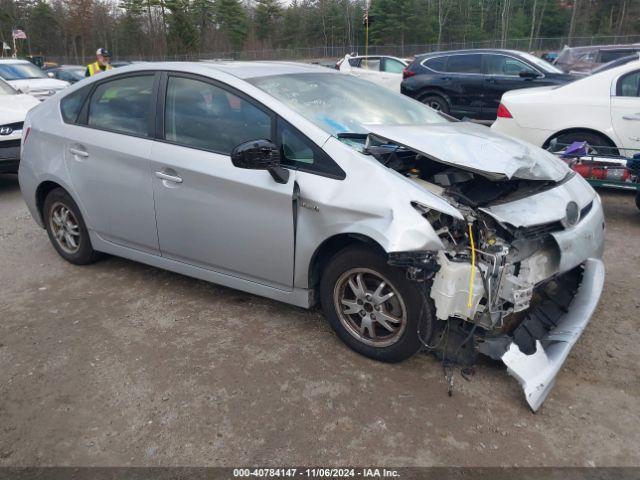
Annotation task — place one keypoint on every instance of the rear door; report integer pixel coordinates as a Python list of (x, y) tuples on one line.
[(107, 148), (501, 74), (210, 213), (464, 84), (625, 110)]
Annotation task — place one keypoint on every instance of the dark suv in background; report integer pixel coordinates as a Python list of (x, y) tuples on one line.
[(470, 83)]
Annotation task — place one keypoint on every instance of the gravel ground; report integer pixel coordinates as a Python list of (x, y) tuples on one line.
[(118, 363)]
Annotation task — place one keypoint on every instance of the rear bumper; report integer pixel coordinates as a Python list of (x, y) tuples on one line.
[(537, 373), (9, 156)]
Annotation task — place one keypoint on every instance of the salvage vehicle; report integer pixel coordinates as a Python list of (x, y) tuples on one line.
[(284, 180), (586, 59), (469, 83), (385, 71), (13, 110), (29, 79), (602, 109)]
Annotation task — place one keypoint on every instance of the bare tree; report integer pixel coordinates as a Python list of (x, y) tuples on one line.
[(572, 25), (444, 8)]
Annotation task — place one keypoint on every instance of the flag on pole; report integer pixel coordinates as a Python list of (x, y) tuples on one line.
[(5, 46), (18, 34)]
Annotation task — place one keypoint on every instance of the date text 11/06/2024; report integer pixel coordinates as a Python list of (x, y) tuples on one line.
[(316, 472)]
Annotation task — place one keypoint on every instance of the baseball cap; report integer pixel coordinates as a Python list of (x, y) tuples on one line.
[(103, 51)]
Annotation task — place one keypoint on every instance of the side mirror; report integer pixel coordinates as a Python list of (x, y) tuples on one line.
[(50, 75), (260, 155), (527, 74)]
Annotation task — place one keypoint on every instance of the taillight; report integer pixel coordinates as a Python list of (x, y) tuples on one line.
[(503, 112), (26, 135), (406, 73)]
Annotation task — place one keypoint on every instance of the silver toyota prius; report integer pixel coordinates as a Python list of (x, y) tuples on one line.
[(301, 184)]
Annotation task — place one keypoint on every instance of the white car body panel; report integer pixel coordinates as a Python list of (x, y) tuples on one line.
[(388, 80), (589, 103)]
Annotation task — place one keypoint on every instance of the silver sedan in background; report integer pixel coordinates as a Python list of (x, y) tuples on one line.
[(306, 186)]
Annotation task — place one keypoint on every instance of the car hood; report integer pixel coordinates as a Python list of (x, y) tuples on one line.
[(38, 84), (476, 148), (13, 108)]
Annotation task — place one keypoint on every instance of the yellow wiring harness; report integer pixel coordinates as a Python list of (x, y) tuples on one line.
[(473, 268)]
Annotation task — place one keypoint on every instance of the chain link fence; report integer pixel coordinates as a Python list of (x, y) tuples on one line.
[(536, 44)]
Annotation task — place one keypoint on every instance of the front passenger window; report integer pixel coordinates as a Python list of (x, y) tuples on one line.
[(123, 105), (629, 85), (300, 153), (201, 115)]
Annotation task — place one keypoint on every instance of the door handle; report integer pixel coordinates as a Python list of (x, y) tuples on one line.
[(78, 152), (169, 178), (635, 117)]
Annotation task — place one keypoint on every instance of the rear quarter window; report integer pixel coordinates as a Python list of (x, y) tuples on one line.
[(436, 64), (71, 105)]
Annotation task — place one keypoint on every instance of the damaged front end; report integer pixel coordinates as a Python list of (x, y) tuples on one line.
[(519, 277)]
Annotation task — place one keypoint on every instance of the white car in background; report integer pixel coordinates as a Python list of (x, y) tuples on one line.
[(28, 78), (13, 110), (602, 109), (384, 70)]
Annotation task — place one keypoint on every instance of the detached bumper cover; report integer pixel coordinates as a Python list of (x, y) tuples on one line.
[(536, 373)]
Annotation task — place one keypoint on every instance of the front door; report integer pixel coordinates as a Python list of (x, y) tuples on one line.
[(107, 156), (210, 213), (625, 111)]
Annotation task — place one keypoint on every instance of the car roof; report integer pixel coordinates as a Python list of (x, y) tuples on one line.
[(239, 69), (633, 46), (474, 50), (13, 60)]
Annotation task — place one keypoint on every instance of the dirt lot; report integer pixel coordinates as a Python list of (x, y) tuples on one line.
[(123, 364)]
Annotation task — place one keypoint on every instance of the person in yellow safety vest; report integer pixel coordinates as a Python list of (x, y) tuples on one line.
[(103, 57)]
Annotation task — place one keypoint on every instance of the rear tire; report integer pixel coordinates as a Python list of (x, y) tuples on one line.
[(382, 322), (436, 102), (66, 228), (594, 140)]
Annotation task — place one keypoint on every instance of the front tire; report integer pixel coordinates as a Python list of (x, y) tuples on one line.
[(66, 228), (373, 307)]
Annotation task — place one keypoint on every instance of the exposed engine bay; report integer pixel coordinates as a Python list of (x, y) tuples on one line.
[(493, 285)]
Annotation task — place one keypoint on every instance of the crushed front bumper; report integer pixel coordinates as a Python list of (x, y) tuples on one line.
[(537, 373)]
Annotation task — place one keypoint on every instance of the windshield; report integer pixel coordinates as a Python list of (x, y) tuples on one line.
[(540, 63), (6, 89), (20, 71), (340, 103)]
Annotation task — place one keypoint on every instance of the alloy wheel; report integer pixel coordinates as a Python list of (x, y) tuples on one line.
[(370, 307), (65, 228)]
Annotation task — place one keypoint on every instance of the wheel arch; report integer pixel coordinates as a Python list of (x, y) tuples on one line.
[(579, 129), (331, 246), (430, 90), (43, 189)]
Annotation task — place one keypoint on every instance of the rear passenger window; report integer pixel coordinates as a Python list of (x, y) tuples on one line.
[(123, 105), (629, 85), (464, 64), (201, 115), (436, 64), (370, 64), (71, 104)]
